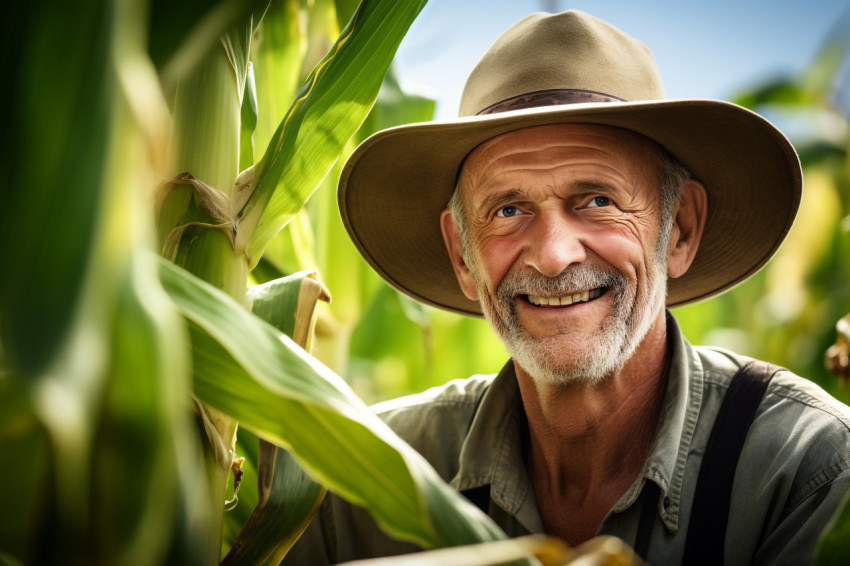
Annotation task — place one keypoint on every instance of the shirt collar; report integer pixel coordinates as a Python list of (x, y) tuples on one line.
[(492, 452), (666, 462)]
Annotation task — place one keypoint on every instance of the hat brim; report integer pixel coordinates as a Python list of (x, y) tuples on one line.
[(395, 185)]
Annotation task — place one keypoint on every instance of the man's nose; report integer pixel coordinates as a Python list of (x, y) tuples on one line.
[(554, 244)]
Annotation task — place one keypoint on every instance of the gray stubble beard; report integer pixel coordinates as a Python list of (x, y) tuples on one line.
[(548, 360)]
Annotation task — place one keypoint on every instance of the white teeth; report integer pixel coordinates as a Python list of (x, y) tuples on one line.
[(582, 297)]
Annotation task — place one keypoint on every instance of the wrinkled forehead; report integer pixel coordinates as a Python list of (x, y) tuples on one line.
[(533, 144)]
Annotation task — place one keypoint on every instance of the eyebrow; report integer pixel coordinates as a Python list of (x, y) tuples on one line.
[(592, 187)]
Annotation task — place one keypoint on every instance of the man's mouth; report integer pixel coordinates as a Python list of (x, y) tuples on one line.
[(565, 300)]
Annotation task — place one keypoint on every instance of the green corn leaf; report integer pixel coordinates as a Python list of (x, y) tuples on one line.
[(246, 368), (287, 499), (343, 269), (182, 33), (328, 110), (289, 304), (51, 165), (144, 450), (249, 120), (287, 496), (97, 391), (276, 55)]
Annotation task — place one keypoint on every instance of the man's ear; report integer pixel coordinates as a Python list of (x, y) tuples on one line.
[(688, 223), (451, 236)]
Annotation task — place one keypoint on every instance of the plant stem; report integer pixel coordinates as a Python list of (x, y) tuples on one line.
[(205, 143), (206, 113)]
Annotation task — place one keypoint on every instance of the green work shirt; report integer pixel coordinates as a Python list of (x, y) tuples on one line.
[(793, 472)]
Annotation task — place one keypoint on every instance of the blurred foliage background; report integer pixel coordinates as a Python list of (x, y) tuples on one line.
[(788, 311), (387, 345)]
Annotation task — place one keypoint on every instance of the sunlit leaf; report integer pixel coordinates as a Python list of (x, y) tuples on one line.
[(287, 497), (327, 111), (249, 121), (182, 33), (276, 56), (245, 367), (548, 551)]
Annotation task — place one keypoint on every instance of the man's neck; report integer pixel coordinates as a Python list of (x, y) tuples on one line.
[(589, 443)]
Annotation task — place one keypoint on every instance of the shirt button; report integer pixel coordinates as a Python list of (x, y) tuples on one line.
[(666, 502)]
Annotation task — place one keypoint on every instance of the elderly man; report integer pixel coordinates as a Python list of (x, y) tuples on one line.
[(569, 204)]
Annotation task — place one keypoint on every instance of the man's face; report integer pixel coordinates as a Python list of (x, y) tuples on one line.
[(562, 229)]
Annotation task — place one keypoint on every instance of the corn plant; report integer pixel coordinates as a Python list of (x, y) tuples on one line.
[(113, 360)]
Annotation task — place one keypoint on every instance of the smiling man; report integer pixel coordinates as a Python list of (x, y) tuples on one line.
[(570, 204), (564, 248)]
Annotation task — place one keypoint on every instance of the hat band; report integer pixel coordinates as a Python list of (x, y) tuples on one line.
[(549, 97)]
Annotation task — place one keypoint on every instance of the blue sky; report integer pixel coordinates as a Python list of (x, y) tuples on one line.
[(704, 49)]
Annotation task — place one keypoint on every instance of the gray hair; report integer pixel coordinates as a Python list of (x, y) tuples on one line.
[(672, 177)]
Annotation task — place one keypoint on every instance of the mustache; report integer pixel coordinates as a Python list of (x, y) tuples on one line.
[(575, 278)]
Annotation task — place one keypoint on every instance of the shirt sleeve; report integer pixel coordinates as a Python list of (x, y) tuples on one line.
[(340, 532), (795, 539)]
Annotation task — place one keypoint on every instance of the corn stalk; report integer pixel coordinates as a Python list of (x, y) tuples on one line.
[(104, 345), (209, 214)]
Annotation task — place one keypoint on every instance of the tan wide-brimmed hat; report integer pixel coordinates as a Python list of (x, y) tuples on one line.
[(570, 68)]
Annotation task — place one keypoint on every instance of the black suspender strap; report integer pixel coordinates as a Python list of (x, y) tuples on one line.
[(479, 496), (647, 517), (710, 513)]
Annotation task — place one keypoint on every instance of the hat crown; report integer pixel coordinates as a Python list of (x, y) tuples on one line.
[(567, 51)]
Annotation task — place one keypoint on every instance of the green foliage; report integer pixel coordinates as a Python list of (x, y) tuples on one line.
[(92, 370), (245, 368), (787, 312), (100, 367)]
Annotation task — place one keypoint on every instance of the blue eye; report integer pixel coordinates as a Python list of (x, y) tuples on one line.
[(508, 211), (598, 202)]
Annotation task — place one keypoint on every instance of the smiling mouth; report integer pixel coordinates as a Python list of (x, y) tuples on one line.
[(566, 300)]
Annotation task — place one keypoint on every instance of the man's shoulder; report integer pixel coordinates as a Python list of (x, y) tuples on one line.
[(787, 390), (436, 422), (463, 393), (794, 468), (800, 436)]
